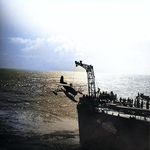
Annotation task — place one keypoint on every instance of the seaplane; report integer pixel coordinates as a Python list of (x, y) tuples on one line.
[(68, 89)]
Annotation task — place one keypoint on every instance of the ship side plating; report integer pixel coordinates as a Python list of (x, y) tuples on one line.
[(106, 128)]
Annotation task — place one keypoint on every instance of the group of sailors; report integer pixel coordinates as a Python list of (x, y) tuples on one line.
[(138, 102), (141, 101)]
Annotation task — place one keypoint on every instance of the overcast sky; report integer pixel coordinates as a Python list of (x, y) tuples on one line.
[(111, 35)]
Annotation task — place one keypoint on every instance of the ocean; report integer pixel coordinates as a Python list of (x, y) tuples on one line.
[(124, 85), (29, 108)]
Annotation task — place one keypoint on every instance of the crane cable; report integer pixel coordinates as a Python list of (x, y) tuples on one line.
[(96, 84), (73, 76)]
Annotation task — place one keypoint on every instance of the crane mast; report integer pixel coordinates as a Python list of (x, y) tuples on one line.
[(90, 77)]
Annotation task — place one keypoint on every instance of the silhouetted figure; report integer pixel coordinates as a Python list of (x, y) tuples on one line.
[(131, 103), (124, 102), (62, 80), (120, 100), (147, 105), (98, 92), (142, 104), (138, 103)]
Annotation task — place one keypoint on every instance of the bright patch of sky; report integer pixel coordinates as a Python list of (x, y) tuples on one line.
[(113, 36)]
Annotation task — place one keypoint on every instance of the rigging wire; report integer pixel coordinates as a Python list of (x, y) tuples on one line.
[(96, 84), (73, 75)]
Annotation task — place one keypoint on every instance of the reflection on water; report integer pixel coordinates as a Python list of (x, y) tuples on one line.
[(124, 85)]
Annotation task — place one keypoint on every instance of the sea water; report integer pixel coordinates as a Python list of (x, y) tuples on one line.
[(21, 105), (124, 85)]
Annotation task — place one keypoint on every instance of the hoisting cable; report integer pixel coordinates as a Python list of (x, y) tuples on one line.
[(73, 75), (97, 87)]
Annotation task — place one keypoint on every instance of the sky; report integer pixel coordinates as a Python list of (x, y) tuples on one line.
[(47, 35)]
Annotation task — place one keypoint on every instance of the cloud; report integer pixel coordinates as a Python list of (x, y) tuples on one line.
[(59, 39), (18, 40), (34, 44), (29, 56), (64, 43), (29, 44)]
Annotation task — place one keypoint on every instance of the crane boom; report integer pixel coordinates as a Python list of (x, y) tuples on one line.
[(90, 77)]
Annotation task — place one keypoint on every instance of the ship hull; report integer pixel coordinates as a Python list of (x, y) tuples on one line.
[(100, 130)]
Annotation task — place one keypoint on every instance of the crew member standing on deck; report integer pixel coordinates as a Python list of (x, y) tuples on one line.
[(147, 104), (142, 104)]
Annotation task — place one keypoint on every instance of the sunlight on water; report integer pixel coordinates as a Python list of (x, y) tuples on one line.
[(124, 85)]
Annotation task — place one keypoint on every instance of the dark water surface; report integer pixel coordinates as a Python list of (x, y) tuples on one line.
[(31, 116)]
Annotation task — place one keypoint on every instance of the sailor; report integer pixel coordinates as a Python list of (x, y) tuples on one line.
[(131, 102), (124, 102), (142, 104), (120, 100), (138, 103), (147, 104), (128, 101), (135, 103), (98, 92)]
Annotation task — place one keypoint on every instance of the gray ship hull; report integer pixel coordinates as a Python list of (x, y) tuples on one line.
[(99, 130)]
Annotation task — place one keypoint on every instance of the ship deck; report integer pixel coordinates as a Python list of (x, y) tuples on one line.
[(125, 112)]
